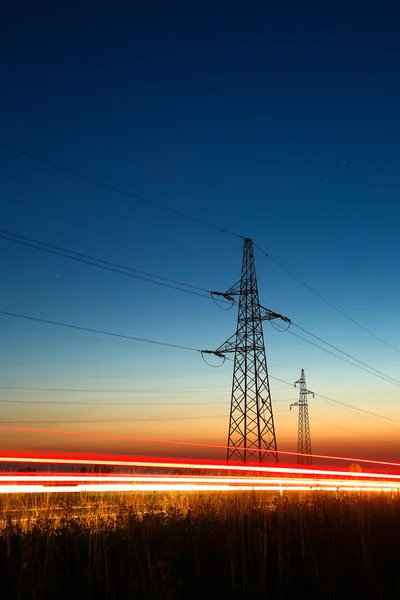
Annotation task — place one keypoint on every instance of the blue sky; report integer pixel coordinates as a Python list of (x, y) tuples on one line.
[(277, 121)]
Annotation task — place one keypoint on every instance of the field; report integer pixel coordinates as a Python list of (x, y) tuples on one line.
[(200, 546)]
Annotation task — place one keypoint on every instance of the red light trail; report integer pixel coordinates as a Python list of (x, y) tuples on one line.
[(193, 444), (168, 464)]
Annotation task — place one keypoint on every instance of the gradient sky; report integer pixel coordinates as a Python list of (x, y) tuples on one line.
[(276, 120)]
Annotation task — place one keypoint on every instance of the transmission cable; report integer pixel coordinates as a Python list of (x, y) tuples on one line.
[(325, 300), (96, 403), (108, 266), (371, 437), (362, 410), (97, 391), (371, 371), (113, 420), (194, 219), (82, 258), (384, 377), (118, 190), (101, 332), (346, 354), (98, 331), (344, 406)]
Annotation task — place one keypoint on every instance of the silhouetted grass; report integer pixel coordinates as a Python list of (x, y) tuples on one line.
[(200, 546)]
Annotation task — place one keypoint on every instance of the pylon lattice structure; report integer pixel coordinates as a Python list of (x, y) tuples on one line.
[(251, 434), (304, 436)]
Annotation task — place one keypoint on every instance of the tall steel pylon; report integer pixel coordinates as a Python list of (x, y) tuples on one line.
[(304, 436), (251, 435)]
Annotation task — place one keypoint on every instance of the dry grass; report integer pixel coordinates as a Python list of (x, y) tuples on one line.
[(200, 546)]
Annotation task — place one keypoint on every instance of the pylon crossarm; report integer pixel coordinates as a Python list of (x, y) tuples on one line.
[(228, 346), (215, 352), (234, 290), (223, 295), (268, 315), (228, 295), (225, 348)]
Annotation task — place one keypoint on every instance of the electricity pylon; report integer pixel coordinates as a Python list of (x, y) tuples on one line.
[(251, 434), (304, 436)]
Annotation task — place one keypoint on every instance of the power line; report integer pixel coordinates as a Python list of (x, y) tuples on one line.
[(114, 421), (371, 437), (325, 300), (110, 404), (194, 219), (118, 190), (355, 410), (376, 372), (384, 377), (99, 331), (97, 391), (361, 410), (372, 371), (108, 266), (82, 258), (62, 421), (388, 377), (54, 250)]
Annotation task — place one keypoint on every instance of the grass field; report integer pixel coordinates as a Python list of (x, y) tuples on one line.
[(200, 546)]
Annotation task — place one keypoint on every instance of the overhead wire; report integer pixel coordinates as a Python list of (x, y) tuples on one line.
[(115, 267), (107, 391), (361, 410), (361, 364), (371, 437), (102, 332), (108, 266), (98, 331), (135, 420), (355, 410), (378, 373), (110, 404), (38, 422), (168, 209), (338, 310), (346, 353), (383, 377), (361, 415), (118, 190), (193, 219)]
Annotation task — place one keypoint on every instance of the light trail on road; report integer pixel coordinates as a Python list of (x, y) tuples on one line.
[(23, 484), (248, 477), (215, 466)]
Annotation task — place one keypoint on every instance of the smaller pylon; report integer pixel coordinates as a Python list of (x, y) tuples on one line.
[(304, 437)]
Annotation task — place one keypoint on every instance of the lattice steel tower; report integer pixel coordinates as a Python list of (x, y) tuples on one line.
[(251, 434), (304, 436)]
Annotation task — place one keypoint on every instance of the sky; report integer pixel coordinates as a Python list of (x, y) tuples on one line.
[(278, 121)]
